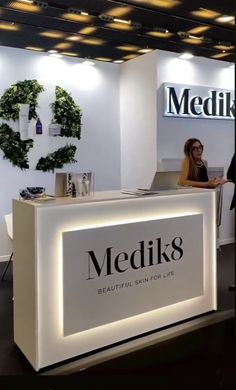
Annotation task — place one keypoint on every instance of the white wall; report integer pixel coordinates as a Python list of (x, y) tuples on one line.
[(138, 121), (124, 135), (96, 91), (217, 136)]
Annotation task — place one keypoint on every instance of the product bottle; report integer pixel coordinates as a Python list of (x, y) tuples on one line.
[(39, 127)]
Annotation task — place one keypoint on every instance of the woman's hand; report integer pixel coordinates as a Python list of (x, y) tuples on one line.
[(217, 181)]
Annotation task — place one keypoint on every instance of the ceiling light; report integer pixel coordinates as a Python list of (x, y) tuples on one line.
[(192, 41), (128, 48), (52, 34), (130, 56), (93, 41), (25, 6), (106, 18), (70, 54), (183, 34), (119, 26), (52, 51), (119, 12), (63, 45), (117, 20), (161, 30), (205, 13), (76, 11), (118, 61), (224, 46), (159, 3), (157, 34), (34, 48), (225, 19), (186, 56), (103, 59), (78, 17), (143, 51), (88, 62), (194, 37), (8, 27), (87, 30), (220, 55), (41, 4), (74, 38), (198, 30)]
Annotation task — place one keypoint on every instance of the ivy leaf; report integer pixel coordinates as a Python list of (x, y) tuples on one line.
[(67, 113), (14, 149), (57, 159), (22, 92)]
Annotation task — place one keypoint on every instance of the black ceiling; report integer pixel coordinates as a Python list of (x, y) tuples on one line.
[(173, 25)]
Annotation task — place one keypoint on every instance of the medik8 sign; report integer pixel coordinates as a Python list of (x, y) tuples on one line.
[(116, 272), (191, 101)]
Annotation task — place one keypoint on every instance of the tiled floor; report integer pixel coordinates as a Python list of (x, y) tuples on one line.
[(207, 354)]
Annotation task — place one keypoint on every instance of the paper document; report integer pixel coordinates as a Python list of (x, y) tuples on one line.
[(139, 192)]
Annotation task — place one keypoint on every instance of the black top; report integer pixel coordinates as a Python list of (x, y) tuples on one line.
[(201, 171), (231, 176)]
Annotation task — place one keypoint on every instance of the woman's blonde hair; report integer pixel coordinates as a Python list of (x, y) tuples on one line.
[(192, 172)]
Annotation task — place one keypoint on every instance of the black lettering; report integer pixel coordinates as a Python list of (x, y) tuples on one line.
[(183, 100), (221, 104), (196, 101), (161, 253), (177, 253), (212, 100), (230, 109), (106, 258), (138, 251), (118, 260)]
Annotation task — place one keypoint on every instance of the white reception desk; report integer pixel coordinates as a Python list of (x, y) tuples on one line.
[(94, 271)]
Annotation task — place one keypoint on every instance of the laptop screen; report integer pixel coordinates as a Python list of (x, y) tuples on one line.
[(167, 180)]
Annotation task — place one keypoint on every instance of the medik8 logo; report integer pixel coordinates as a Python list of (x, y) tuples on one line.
[(148, 254), (198, 102)]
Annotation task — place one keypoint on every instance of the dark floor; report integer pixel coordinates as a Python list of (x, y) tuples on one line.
[(203, 358)]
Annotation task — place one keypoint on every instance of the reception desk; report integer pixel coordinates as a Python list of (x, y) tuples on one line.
[(93, 271)]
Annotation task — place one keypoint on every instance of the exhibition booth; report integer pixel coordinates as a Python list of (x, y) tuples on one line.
[(99, 270), (94, 269)]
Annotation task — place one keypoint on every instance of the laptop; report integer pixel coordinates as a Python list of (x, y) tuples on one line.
[(166, 180)]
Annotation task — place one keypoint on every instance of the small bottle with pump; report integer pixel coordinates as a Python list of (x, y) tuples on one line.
[(39, 127)]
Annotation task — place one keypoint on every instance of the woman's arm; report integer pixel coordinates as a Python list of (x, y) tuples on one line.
[(183, 181)]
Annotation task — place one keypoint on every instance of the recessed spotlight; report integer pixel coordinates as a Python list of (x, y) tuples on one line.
[(41, 4), (143, 51), (225, 19), (118, 61), (186, 56), (52, 51)]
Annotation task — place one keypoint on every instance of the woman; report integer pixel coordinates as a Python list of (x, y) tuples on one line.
[(194, 168)]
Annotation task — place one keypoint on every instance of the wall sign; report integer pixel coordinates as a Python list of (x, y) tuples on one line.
[(191, 101), (115, 272)]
